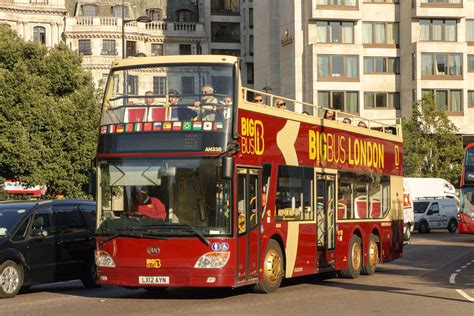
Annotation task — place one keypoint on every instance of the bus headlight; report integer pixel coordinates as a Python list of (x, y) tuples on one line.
[(213, 260), (103, 259)]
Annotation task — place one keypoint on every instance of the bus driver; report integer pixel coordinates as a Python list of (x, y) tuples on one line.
[(146, 205)]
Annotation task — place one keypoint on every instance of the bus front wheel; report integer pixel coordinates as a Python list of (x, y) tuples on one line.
[(354, 264), (272, 269)]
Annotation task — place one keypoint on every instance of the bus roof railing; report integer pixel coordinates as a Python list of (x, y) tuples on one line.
[(382, 125)]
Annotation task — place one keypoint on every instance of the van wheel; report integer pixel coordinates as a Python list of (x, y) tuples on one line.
[(90, 278), (423, 227), (373, 258), (354, 266), (272, 269), (452, 226), (407, 234), (11, 279)]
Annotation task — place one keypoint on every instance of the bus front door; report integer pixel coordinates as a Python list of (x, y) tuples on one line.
[(248, 232), (326, 221)]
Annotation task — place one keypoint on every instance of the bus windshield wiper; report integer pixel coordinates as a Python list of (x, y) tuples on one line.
[(129, 234), (183, 226)]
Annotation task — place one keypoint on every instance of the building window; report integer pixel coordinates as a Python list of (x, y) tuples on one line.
[(335, 32), (108, 47), (132, 84), (225, 7), (441, 64), (470, 99), (185, 15), (131, 48), (470, 30), (347, 101), (381, 65), (251, 45), (380, 33), (249, 73), (159, 85), (85, 47), (185, 49), (250, 18), (448, 100), (156, 49), (438, 30), (39, 35), (187, 85), (89, 10), (230, 52), (225, 32), (470, 63), (441, 2), (338, 67), (154, 14), (119, 10), (380, 100), (345, 3), (381, 1)]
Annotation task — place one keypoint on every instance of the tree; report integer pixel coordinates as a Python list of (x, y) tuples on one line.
[(431, 145), (49, 113)]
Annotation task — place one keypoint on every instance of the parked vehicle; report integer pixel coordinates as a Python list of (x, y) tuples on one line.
[(435, 213), (408, 216), (46, 241)]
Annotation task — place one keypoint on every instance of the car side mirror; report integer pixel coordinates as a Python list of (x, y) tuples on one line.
[(39, 233)]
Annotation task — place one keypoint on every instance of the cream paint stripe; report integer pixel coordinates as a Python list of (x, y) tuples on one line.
[(291, 248), (464, 294), (286, 139)]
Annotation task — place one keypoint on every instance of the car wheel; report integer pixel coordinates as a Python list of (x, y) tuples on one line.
[(373, 258), (90, 278), (354, 265), (452, 226), (407, 234), (11, 279), (272, 269), (423, 227)]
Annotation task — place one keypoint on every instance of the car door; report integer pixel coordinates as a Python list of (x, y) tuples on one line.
[(74, 238), (43, 247)]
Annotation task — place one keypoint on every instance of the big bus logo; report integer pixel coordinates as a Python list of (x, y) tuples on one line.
[(252, 141)]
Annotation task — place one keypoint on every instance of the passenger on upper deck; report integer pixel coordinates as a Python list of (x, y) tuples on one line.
[(280, 104), (208, 103), (362, 124), (149, 98), (179, 112), (258, 98), (347, 120), (329, 114)]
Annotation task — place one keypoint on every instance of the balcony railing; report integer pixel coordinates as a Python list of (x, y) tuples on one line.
[(49, 3)]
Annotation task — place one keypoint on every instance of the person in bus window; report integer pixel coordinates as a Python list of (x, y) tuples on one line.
[(208, 105), (329, 115), (347, 120), (280, 104), (149, 98), (362, 124), (179, 112), (258, 98), (146, 205)]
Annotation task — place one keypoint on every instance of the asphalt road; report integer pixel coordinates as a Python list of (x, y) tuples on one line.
[(434, 277)]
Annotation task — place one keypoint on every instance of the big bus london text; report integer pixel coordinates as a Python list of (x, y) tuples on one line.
[(199, 187)]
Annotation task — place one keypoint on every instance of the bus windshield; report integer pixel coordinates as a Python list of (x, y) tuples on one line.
[(469, 159), (164, 197), (169, 92), (467, 201)]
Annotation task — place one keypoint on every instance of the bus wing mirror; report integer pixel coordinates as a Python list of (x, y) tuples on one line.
[(227, 167), (92, 183)]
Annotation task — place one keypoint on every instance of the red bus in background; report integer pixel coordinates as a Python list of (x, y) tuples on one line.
[(15, 187), (466, 211), (252, 193)]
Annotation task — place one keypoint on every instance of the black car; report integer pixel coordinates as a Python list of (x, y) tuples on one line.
[(46, 241)]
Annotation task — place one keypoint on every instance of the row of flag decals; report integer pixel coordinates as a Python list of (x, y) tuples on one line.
[(161, 126)]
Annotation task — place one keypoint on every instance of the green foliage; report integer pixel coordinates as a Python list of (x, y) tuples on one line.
[(49, 113), (431, 145)]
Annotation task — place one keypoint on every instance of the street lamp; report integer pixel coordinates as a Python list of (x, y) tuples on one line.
[(141, 19)]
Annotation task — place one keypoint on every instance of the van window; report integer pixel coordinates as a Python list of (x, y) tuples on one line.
[(434, 208), (43, 221), (420, 207), (69, 219), (20, 233)]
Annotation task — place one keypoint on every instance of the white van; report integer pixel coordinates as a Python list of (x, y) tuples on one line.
[(435, 213)]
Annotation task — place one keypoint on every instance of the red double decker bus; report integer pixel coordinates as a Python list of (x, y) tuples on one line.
[(466, 211), (199, 187)]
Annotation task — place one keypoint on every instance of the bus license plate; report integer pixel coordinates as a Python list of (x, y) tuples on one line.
[(154, 280)]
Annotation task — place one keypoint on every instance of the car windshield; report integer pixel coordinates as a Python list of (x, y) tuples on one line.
[(164, 197), (9, 217), (420, 207), (467, 201)]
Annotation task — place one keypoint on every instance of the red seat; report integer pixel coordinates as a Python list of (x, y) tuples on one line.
[(133, 115), (158, 114), (375, 209)]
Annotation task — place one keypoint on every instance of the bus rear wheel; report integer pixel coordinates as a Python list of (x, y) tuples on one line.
[(272, 269), (354, 266), (373, 259)]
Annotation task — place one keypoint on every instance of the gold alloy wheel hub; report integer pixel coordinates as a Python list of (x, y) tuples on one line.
[(373, 253), (356, 251), (9, 280), (273, 266)]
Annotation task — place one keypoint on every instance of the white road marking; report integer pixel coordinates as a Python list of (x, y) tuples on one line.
[(458, 270), (452, 278), (467, 297), (468, 264), (463, 267)]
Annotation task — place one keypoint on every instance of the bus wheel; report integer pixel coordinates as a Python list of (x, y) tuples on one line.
[(272, 269), (354, 266), (373, 259), (452, 226)]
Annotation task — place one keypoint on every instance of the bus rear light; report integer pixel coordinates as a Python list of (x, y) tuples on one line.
[(103, 259), (213, 260)]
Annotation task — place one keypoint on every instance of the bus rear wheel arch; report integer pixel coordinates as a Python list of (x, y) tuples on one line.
[(273, 269), (354, 259)]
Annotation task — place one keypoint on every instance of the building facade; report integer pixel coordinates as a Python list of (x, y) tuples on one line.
[(369, 57)]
